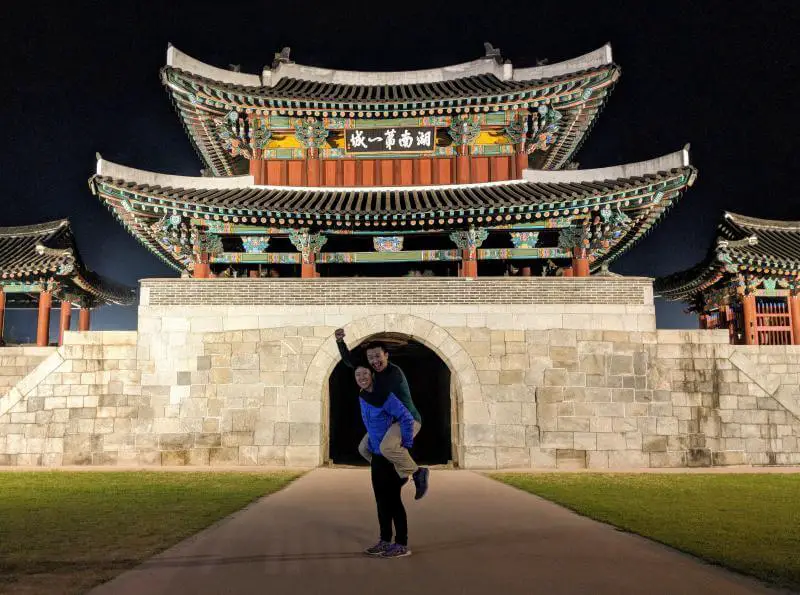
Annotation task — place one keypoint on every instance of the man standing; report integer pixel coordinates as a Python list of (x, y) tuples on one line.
[(389, 379)]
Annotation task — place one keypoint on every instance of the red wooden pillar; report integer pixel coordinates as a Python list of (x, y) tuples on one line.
[(2, 313), (257, 171), (568, 272), (580, 264), (202, 268), (525, 271), (64, 320), (520, 161), (84, 319), (253, 274), (794, 314), (749, 312), (308, 270), (312, 168), (462, 166), (469, 265), (43, 328)]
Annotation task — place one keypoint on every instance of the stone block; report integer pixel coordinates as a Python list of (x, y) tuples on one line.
[(475, 412), (513, 458), (532, 434), (550, 394), (223, 456), (555, 377), (506, 413), (621, 364), (623, 459), (479, 435), (570, 459), (611, 441), (305, 411), (585, 441), (477, 457), (654, 444), (573, 424), (563, 440), (304, 434), (511, 377), (564, 357), (510, 435), (302, 456)]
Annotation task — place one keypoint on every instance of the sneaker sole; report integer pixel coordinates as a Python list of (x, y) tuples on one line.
[(405, 555)]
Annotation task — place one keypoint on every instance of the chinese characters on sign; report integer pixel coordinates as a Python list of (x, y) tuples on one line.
[(390, 140)]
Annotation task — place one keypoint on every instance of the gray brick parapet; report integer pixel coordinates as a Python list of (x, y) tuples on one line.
[(402, 290)]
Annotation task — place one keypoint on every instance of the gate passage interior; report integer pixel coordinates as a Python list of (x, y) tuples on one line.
[(429, 380)]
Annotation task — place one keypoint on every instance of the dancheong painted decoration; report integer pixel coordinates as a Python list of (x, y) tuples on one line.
[(454, 170), (748, 283)]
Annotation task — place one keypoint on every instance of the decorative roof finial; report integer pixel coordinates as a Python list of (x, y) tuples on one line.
[(492, 52), (282, 57), (235, 67)]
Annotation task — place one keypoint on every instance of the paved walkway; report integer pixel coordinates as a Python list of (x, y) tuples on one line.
[(469, 535)]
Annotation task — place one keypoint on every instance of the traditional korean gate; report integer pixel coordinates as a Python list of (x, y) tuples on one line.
[(773, 322)]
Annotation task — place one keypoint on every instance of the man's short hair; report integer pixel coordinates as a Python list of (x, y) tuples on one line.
[(375, 345)]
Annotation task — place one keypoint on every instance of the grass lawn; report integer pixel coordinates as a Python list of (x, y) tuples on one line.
[(64, 532), (747, 522)]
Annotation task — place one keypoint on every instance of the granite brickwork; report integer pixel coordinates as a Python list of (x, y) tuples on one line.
[(535, 385)]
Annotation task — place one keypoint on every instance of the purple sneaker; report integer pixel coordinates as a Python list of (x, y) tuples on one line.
[(396, 551), (378, 549)]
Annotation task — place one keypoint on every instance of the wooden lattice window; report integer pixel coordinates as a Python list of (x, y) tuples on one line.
[(773, 322)]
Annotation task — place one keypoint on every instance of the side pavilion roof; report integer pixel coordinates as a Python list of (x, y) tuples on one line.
[(759, 247), (577, 88), (639, 193), (35, 254)]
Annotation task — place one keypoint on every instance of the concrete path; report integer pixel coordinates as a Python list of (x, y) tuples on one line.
[(469, 535)]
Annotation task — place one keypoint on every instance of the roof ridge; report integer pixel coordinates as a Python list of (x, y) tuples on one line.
[(34, 229), (759, 223), (492, 63)]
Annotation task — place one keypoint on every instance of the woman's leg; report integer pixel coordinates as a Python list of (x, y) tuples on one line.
[(398, 511), (383, 498)]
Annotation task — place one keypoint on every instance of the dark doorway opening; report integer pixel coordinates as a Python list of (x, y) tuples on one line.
[(429, 380)]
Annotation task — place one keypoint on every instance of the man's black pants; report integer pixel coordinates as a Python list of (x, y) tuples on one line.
[(387, 486)]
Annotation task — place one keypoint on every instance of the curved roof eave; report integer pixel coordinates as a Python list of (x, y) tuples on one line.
[(486, 65), (675, 160), (671, 161)]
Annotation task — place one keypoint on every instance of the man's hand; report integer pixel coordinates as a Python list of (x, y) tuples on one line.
[(339, 334)]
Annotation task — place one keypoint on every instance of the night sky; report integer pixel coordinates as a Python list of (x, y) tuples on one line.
[(80, 78)]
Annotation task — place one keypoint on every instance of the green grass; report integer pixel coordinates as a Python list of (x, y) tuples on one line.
[(64, 532), (746, 522)]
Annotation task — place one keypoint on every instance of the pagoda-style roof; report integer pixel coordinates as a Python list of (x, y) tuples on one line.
[(634, 195), (577, 88), (33, 256), (758, 249)]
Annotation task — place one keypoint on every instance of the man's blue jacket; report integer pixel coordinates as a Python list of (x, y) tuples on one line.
[(379, 412)]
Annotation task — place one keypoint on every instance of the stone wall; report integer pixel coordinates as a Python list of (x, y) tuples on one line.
[(534, 385), (18, 361)]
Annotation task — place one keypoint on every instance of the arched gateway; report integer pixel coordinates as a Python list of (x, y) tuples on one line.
[(431, 387), (454, 373)]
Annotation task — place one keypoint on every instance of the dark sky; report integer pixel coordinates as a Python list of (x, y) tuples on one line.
[(80, 78)]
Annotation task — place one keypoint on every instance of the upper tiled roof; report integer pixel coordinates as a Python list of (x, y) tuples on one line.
[(757, 246), (577, 88), (48, 251)]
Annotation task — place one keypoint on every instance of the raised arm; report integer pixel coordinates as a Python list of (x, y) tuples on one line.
[(347, 357)]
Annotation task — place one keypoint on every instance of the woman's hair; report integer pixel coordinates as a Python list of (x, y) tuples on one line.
[(365, 366)]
